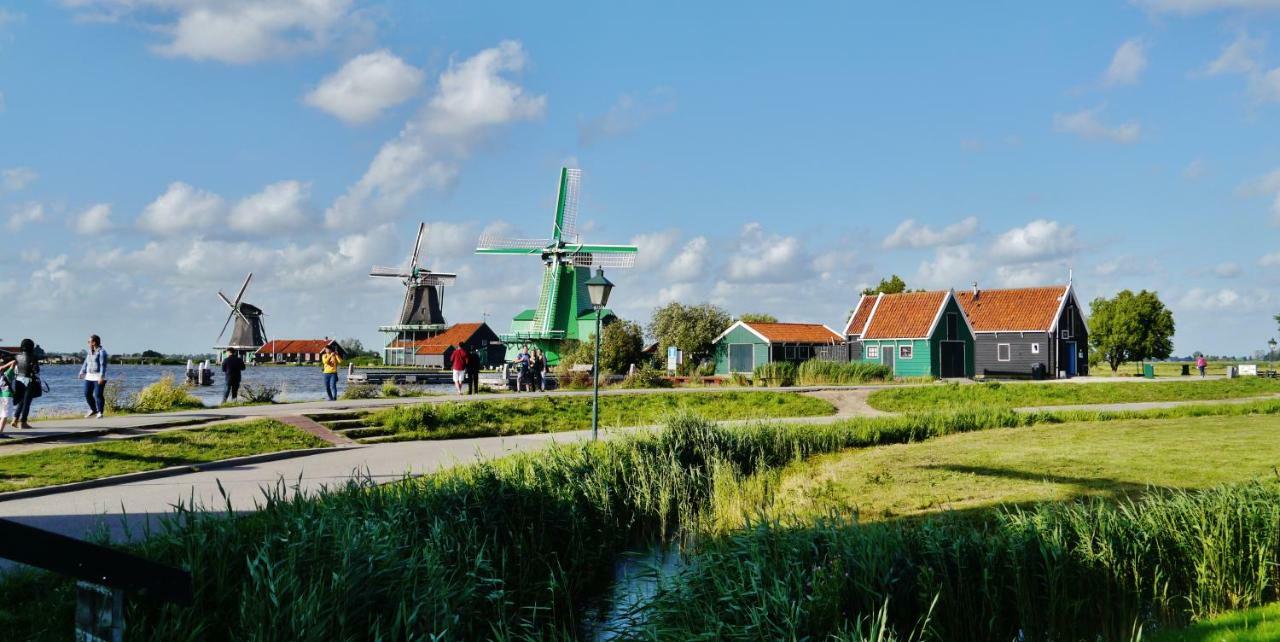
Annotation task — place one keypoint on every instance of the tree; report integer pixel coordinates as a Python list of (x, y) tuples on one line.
[(152, 354), (757, 317), (1130, 327), (691, 329), (621, 344), (352, 346), (892, 285)]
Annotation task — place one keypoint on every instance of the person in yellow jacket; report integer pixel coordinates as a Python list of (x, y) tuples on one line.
[(329, 362)]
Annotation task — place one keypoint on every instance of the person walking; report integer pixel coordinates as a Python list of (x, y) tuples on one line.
[(7, 369), (232, 366), (473, 373), (458, 360), (27, 379), (329, 362), (523, 363), (94, 373), (1201, 364), (539, 367)]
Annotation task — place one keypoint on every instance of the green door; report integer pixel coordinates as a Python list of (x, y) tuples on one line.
[(742, 357)]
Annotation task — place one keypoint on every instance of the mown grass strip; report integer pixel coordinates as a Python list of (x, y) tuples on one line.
[(1023, 395), (1260, 624), (53, 466)]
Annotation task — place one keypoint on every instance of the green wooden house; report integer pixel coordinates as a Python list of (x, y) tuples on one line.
[(745, 345), (916, 334)]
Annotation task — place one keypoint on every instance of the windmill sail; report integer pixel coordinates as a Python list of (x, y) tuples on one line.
[(424, 289), (248, 332)]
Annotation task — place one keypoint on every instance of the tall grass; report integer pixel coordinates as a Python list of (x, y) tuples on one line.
[(164, 395), (952, 395), (816, 372), (775, 374)]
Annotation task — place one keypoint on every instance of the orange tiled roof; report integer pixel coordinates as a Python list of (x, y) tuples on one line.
[(905, 316), (795, 332), (858, 320), (459, 332), (1016, 309), (294, 346)]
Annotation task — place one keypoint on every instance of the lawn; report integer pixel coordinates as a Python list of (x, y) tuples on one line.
[(193, 446), (1045, 463), (449, 420), (1021, 395), (1174, 368), (1260, 624)]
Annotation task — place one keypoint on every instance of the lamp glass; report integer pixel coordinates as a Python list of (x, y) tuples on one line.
[(598, 289)]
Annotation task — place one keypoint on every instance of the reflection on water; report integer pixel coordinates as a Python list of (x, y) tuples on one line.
[(637, 575)]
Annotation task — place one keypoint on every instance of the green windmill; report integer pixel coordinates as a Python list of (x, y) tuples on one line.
[(564, 311)]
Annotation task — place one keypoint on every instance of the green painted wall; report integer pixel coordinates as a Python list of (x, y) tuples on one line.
[(940, 334), (920, 363), (740, 335)]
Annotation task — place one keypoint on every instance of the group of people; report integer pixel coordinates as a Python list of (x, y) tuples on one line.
[(530, 368), (466, 368), (233, 366), (20, 385)]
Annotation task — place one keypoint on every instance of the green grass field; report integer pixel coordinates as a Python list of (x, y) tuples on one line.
[(1261, 624), (1174, 368), (1023, 395), (194, 446), (451, 420)]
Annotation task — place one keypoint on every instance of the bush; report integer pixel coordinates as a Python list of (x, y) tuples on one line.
[(740, 379), (259, 393), (360, 391), (573, 379), (390, 389), (775, 373), (646, 377), (163, 396), (114, 397), (817, 372)]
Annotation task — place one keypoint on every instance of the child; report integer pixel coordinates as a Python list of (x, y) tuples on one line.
[(6, 393)]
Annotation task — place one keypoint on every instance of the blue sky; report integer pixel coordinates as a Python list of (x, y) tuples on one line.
[(767, 159)]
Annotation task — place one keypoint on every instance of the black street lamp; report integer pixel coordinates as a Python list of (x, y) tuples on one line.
[(598, 289), (1271, 344)]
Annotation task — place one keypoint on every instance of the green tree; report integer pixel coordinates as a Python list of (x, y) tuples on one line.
[(352, 346), (892, 285), (690, 328), (1130, 328), (757, 317)]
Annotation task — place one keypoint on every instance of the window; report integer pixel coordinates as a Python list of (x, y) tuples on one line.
[(1066, 333), (904, 352), (1035, 348), (953, 326), (873, 352), (791, 353), (1003, 352)]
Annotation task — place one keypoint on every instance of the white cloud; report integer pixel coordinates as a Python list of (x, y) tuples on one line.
[(1201, 299), (180, 209), (1127, 64), (1269, 260), (910, 234), (655, 248), (1227, 270), (448, 240), (366, 86), (233, 31), (16, 178), (1021, 276), (1126, 265), (1039, 240), (472, 99), (1194, 170), (95, 220), (765, 258), (279, 207), (949, 265), (625, 115), (1239, 57), (2, 103), (1267, 185), (690, 264), (1265, 87), (25, 215), (1085, 124), (1192, 7)]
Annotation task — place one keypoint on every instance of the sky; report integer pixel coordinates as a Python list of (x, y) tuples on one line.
[(765, 158)]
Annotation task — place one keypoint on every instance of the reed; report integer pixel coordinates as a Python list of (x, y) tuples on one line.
[(817, 373)]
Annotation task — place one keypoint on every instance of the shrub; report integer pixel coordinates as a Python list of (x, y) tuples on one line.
[(390, 389), (360, 391), (115, 398), (740, 379), (818, 372), (775, 373), (260, 393), (646, 377), (163, 396), (573, 379)]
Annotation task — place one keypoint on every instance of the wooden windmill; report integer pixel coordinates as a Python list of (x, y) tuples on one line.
[(564, 311), (422, 313), (249, 332)]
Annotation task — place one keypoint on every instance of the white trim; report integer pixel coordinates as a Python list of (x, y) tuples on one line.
[(743, 324), (870, 317), (1008, 351), (853, 314), (1062, 305), (1035, 348), (866, 349), (950, 296)]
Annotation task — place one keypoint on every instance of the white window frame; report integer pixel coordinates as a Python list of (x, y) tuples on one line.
[(1035, 348), (906, 352), (1008, 352), (1066, 333), (873, 352)]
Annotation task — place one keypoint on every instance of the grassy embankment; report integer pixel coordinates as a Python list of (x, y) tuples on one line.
[(518, 549), (1174, 368), (1023, 395), (1259, 624), (452, 420), (178, 447)]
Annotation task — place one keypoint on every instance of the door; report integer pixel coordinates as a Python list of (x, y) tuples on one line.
[(953, 360), (886, 357), (742, 357), (1071, 358)]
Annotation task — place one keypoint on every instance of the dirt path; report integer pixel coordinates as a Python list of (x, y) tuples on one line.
[(849, 403)]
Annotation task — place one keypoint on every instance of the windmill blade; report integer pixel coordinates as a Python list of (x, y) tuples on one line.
[(437, 279), (498, 245), (381, 270), (226, 300), (605, 260), (603, 249), (568, 218), (417, 247), (228, 322), (244, 287)]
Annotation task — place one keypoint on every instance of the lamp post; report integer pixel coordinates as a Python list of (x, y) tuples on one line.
[(598, 288), (1271, 344)]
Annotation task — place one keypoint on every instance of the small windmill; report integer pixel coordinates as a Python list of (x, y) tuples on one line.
[(249, 333), (422, 314), (564, 310)]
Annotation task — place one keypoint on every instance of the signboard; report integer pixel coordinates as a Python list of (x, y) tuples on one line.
[(1250, 369), (673, 358)]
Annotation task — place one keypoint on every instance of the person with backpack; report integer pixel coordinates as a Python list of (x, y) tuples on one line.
[(232, 366), (329, 362), (94, 373), (28, 386)]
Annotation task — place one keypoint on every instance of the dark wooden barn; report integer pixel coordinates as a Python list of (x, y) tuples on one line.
[(1019, 330)]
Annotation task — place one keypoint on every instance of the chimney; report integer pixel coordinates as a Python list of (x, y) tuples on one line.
[(976, 292)]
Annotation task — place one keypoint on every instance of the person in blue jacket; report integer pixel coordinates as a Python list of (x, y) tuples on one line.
[(94, 373)]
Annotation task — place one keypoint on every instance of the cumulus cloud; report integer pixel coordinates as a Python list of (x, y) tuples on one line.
[(949, 264), (1039, 240), (26, 215), (1127, 265), (690, 263), (472, 98), (910, 234), (94, 220), (1127, 64), (233, 31), (1267, 185), (1193, 7), (182, 208), (760, 257), (16, 178), (1086, 124), (1238, 57), (655, 248), (279, 207), (625, 115), (366, 86), (1202, 299)]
